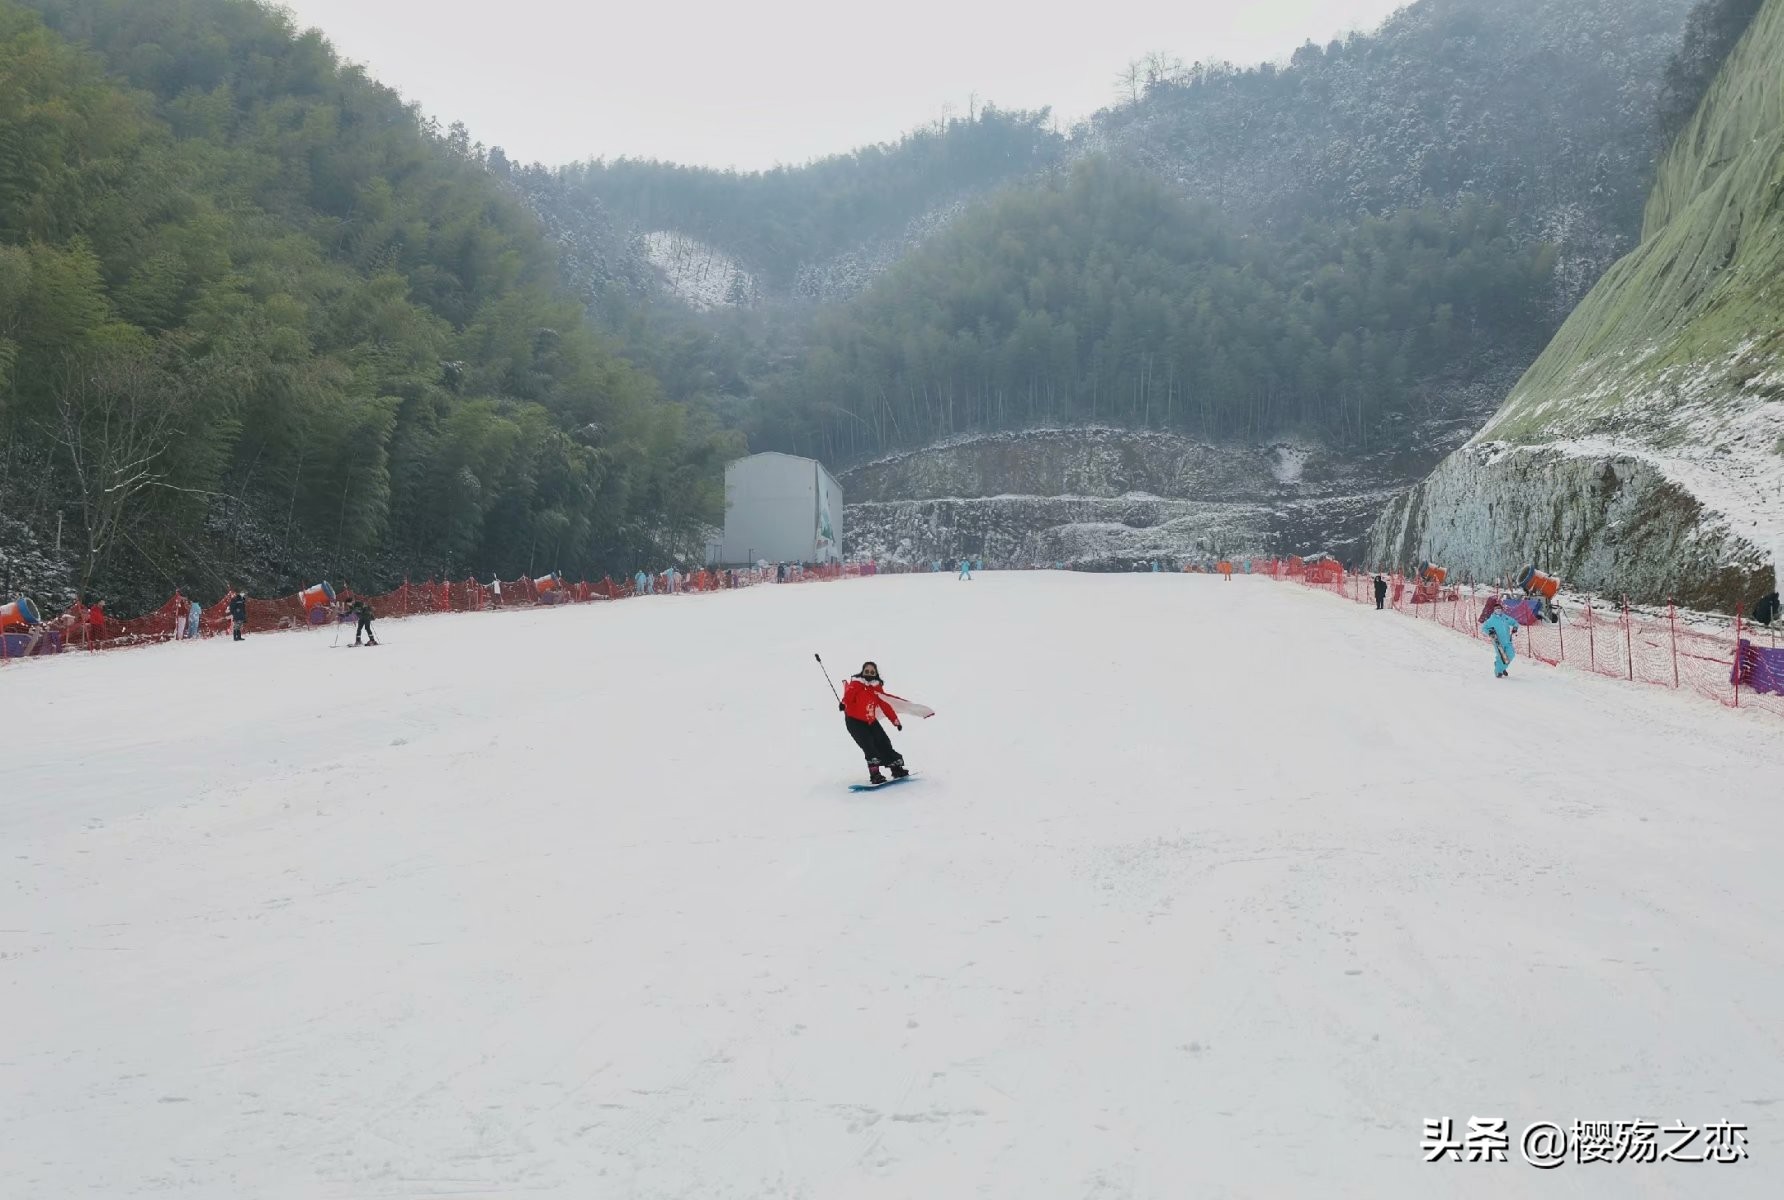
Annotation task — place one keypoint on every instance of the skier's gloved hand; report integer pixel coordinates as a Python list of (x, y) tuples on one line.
[(840, 707), (898, 725)]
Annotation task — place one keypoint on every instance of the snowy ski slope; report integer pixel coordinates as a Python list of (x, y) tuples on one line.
[(1210, 890)]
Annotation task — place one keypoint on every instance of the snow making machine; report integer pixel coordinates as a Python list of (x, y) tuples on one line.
[(318, 600), (1539, 590), (1430, 587)]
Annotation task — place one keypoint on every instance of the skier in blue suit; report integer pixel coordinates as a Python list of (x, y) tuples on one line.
[(966, 569), (1499, 629)]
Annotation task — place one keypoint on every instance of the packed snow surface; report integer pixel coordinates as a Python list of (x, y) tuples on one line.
[(1207, 889)]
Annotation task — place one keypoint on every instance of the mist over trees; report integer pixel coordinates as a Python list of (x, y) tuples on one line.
[(1371, 238)]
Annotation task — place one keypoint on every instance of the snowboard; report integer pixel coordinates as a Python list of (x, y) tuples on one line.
[(874, 787)]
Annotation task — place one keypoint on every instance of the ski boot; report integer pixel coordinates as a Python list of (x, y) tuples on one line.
[(873, 774), (898, 770)]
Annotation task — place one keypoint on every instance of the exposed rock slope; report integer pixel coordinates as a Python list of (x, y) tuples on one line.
[(1644, 451)]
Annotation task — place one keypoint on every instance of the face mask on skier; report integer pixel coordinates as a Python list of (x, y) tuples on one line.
[(870, 672)]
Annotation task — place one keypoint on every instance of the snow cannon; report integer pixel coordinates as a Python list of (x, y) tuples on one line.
[(546, 586), (1430, 572), (316, 601), (313, 598), (20, 612), (1537, 583)]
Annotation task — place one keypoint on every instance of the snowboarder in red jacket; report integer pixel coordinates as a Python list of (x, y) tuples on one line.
[(864, 697)]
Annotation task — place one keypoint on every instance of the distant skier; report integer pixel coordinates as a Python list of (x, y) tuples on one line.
[(1381, 592), (966, 569), (1498, 626), (238, 614), (193, 616), (863, 699), (495, 590), (362, 615)]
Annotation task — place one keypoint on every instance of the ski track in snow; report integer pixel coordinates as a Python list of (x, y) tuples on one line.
[(1209, 889)]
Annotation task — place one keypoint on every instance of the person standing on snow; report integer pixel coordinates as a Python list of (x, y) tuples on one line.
[(1765, 609), (238, 614), (193, 616), (1499, 628), (863, 699), (495, 590), (362, 615), (1381, 591), (966, 569)]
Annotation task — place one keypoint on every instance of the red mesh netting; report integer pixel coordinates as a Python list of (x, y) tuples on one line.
[(77, 630), (1658, 649)]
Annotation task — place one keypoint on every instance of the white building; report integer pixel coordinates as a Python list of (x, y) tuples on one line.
[(779, 508)]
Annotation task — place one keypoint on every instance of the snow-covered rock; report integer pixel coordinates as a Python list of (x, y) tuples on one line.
[(1099, 496), (701, 276), (1643, 453)]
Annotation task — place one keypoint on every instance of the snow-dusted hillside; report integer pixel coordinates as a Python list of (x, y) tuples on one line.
[(700, 276), (1644, 452), (1546, 108), (573, 904)]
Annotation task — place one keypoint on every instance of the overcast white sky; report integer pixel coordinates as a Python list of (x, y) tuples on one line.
[(748, 84)]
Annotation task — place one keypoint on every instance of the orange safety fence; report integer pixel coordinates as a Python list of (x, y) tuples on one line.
[(79, 630), (1684, 652)]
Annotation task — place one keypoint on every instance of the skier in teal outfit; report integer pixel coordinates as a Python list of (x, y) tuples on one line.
[(1499, 629)]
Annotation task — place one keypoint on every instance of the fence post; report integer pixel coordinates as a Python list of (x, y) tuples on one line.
[(1737, 655), (1672, 618), (1591, 639), (1628, 639)]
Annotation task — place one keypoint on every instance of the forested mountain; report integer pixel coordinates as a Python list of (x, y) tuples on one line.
[(259, 321), (1641, 454), (1105, 298), (788, 228), (1545, 109), (1363, 247)]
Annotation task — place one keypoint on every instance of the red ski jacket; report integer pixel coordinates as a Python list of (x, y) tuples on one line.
[(863, 701)]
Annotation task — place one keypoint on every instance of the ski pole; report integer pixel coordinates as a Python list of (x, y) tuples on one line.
[(826, 671)]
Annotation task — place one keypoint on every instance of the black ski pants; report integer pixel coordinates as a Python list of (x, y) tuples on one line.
[(365, 627), (871, 737)]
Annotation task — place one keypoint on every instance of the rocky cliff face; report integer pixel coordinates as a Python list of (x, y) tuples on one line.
[(1643, 453), (1102, 498)]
